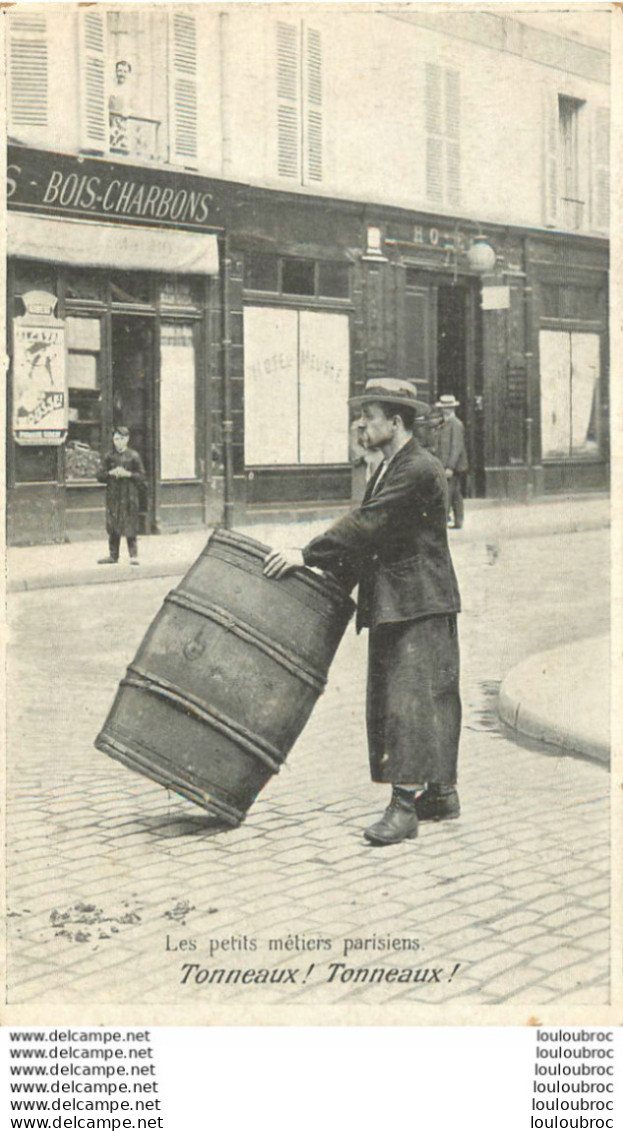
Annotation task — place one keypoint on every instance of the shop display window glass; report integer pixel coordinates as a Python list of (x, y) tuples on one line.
[(131, 287), (296, 387), (334, 280), (33, 276), (180, 292), (177, 402), (570, 372), (35, 465), (261, 272), (86, 286), (298, 277), (84, 436)]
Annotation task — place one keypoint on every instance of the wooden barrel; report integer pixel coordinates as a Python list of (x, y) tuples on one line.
[(226, 677)]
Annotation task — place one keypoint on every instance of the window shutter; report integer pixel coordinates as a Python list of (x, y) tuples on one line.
[(28, 72), (550, 175), (288, 100), (443, 129), (453, 137), (434, 169), (93, 94), (434, 143), (313, 149), (600, 190), (183, 91), (434, 109), (93, 100)]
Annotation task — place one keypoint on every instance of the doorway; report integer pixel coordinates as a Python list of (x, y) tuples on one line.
[(457, 372), (442, 351), (133, 365)]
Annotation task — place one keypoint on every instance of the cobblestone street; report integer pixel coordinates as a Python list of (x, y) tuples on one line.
[(108, 873)]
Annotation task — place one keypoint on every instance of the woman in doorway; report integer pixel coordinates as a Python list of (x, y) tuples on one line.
[(124, 475)]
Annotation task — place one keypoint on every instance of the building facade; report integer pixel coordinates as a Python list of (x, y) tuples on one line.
[(222, 223)]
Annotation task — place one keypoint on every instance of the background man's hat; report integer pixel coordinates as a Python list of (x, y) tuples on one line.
[(121, 430), (391, 390), (447, 401)]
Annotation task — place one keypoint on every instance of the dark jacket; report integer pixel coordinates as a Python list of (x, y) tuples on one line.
[(451, 444), (395, 544), (122, 495)]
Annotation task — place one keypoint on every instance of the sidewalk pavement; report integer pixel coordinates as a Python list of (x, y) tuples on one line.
[(561, 697), (489, 521)]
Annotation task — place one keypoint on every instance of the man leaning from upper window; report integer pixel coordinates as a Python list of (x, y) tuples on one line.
[(395, 545)]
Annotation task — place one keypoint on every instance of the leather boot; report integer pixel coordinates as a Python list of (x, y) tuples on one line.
[(399, 822), (438, 803)]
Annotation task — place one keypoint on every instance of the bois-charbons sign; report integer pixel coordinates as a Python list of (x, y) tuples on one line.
[(91, 188)]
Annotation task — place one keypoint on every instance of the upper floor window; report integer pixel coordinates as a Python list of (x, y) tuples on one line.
[(577, 145), (28, 72), (300, 125), (137, 93), (127, 108), (443, 135)]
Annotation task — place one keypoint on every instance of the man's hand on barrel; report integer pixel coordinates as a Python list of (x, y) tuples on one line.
[(281, 561)]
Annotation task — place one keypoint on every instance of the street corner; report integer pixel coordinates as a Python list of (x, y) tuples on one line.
[(561, 697)]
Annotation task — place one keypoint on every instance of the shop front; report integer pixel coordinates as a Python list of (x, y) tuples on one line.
[(133, 307), (513, 323), (227, 326)]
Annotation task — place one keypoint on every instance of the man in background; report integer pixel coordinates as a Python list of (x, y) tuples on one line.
[(452, 456)]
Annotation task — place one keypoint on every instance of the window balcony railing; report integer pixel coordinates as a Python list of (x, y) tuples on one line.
[(134, 137)]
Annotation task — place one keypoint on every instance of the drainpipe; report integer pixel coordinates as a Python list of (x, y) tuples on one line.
[(228, 427)]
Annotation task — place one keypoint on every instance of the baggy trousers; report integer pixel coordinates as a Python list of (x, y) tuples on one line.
[(413, 703)]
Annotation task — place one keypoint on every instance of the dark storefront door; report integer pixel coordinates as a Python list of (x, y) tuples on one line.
[(442, 347), (133, 367)]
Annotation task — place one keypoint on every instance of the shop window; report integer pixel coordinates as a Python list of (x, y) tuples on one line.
[(131, 287), (126, 107), (334, 280), (33, 276), (296, 387), (298, 277), (261, 272), (35, 465), (177, 402), (84, 436), (289, 276), (300, 109), (85, 286), (570, 416), (443, 134), (550, 301), (181, 293)]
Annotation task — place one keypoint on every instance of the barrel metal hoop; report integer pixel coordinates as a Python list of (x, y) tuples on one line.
[(309, 593), (251, 635), (167, 775), (193, 705)]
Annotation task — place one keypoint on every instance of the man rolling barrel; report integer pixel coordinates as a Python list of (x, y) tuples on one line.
[(395, 545)]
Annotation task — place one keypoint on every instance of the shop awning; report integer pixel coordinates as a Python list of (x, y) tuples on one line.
[(78, 243)]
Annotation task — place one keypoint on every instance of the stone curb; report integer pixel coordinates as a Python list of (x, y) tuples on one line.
[(92, 575), (558, 698)]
